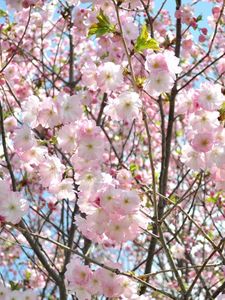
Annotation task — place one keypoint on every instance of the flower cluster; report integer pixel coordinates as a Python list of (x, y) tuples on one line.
[(85, 282), (19, 4), (12, 206), (100, 197), (125, 107), (8, 294), (162, 68), (105, 204), (94, 118), (206, 134)]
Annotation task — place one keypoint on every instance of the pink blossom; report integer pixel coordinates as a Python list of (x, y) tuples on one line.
[(69, 108), (50, 170), (124, 177), (112, 288), (130, 29), (96, 219), (204, 31), (204, 121), (163, 62), (111, 283), (31, 110), (110, 76), (126, 107), (210, 97), (127, 202), (64, 189), (108, 198), (33, 156), (76, 149), (117, 228), (90, 148), (221, 66), (185, 102), (193, 159), (95, 283), (48, 115), (89, 75), (202, 142), (67, 138), (87, 128), (82, 293), (77, 273), (78, 276), (216, 156), (158, 83), (10, 123), (24, 139), (185, 13), (13, 207)]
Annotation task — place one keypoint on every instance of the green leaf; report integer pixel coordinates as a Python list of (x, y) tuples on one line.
[(199, 18), (133, 168), (14, 285), (8, 28), (103, 19), (144, 41), (174, 199), (211, 235), (149, 227), (179, 133), (6, 114), (53, 140), (27, 275), (2, 13), (212, 199), (102, 27)]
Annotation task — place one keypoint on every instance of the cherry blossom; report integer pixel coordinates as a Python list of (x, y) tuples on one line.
[(126, 107), (24, 139), (50, 170), (210, 98), (67, 138), (15, 207), (69, 108), (110, 76), (202, 142), (112, 156)]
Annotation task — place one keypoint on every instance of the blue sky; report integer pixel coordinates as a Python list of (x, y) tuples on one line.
[(2, 4), (201, 8)]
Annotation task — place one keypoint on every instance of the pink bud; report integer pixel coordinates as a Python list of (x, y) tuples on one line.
[(2, 80), (201, 38), (194, 24), (204, 31), (66, 89), (138, 177), (25, 4), (51, 206), (216, 11), (2, 219), (97, 201), (178, 14)]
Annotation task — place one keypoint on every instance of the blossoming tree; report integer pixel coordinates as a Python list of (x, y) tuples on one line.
[(112, 149)]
